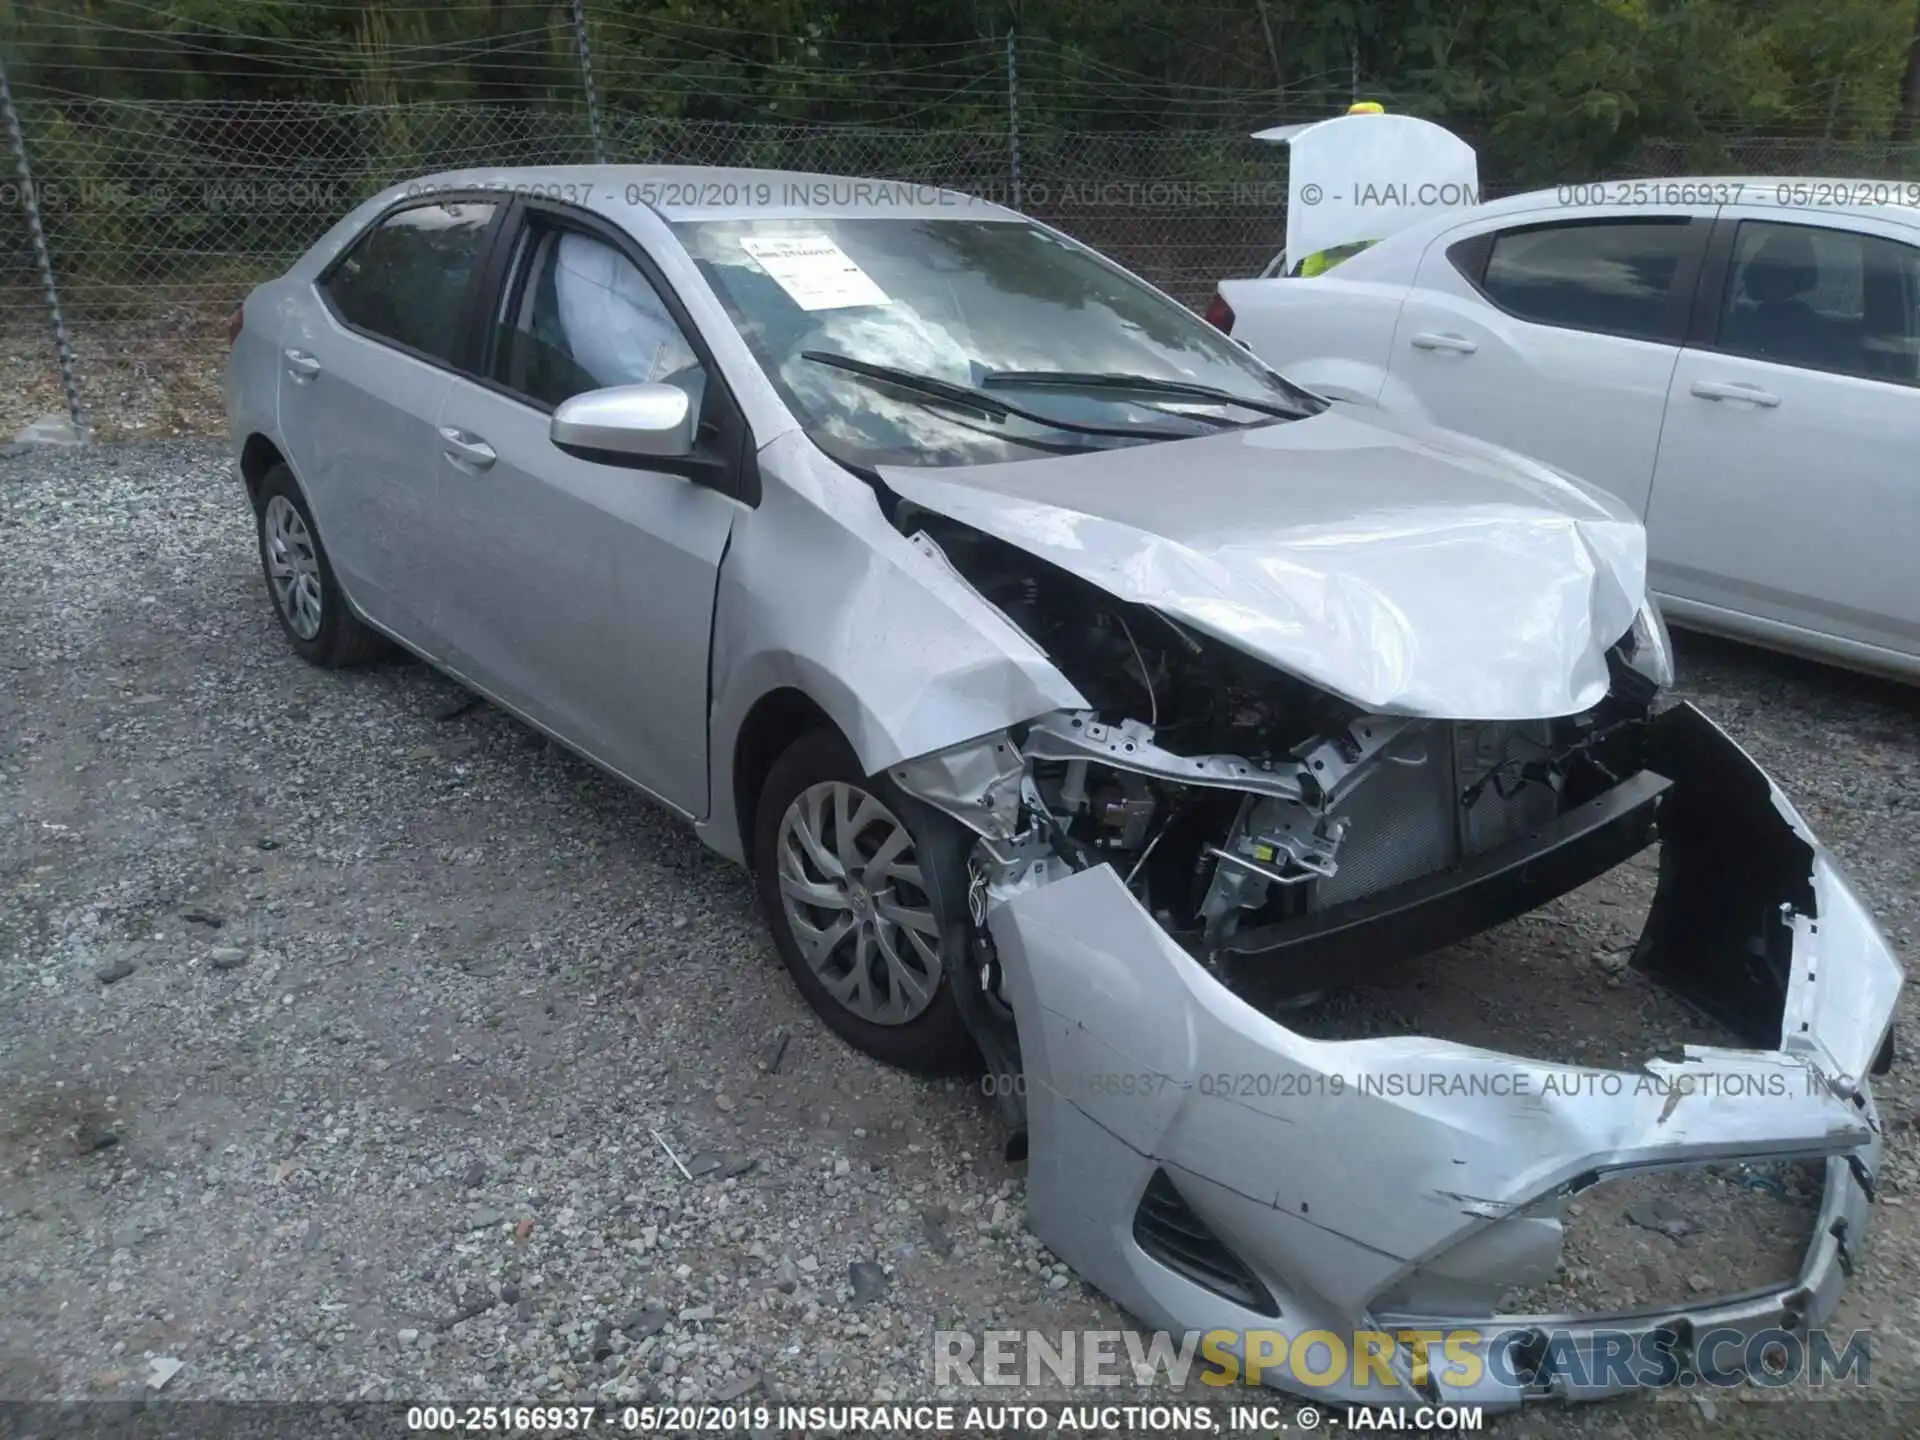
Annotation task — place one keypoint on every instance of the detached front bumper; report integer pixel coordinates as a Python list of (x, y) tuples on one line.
[(1211, 1170)]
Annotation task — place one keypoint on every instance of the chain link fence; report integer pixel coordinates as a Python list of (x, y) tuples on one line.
[(159, 215)]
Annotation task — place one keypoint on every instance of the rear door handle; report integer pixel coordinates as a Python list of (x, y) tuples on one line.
[(466, 449), (1430, 340), (301, 365), (1735, 390)]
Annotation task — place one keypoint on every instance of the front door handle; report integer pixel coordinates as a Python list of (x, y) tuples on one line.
[(301, 365), (466, 449), (1432, 340), (1735, 390)]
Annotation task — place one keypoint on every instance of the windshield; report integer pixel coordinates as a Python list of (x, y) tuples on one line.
[(847, 315)]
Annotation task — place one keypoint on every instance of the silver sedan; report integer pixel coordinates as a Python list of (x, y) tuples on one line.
[(1084, 698)]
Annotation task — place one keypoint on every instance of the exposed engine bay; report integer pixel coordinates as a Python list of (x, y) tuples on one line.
[(1232, 797)]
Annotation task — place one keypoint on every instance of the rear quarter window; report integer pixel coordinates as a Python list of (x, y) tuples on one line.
[(406, 279), (1823, 299), (1609, 277)]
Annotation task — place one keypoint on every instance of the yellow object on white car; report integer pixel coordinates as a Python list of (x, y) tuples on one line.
[(1359, 178)]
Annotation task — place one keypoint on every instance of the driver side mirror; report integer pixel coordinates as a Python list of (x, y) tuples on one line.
[(626, 423)]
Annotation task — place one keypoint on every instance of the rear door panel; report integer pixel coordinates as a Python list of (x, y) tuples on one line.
[(357, 412), (1586, 402), (1797, 505), (359, 438)]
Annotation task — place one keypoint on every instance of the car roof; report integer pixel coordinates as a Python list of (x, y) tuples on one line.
[(1833, 194), (1893, 200), (711, 192)]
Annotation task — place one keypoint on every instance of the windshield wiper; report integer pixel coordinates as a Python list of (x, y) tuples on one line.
[(1139, 385), (992, 406)]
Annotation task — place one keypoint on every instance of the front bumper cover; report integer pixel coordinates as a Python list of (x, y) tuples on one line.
[(1407, 1183)]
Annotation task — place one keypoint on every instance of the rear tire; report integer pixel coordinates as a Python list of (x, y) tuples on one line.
[(307, 599), (865, 891)]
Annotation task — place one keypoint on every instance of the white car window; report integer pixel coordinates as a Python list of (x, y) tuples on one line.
[(1615, 277), (1824, 299)]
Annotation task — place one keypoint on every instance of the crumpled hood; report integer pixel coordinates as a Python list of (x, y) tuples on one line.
[(1408, 570)]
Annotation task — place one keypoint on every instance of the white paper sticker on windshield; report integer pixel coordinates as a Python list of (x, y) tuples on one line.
[(814, 270)]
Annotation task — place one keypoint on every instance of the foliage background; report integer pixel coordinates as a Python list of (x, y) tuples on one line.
[(182, 149), (1549, 88)]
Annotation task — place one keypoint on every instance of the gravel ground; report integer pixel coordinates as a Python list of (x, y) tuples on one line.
[(342, 1025)]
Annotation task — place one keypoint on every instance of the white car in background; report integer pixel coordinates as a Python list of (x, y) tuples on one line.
[(1737, 359)]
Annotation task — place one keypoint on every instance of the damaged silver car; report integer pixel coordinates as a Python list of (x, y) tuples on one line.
[(1086, 698)]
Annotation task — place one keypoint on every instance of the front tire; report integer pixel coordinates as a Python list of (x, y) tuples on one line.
[(865, 892), (306, 596)]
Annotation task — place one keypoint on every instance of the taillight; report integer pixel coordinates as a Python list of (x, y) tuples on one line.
[(1220, 314), (234, 322)]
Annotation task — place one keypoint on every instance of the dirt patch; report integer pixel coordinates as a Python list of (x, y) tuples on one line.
[(147, 374), (1671, 1239), (1552, 985), (56, 1126)]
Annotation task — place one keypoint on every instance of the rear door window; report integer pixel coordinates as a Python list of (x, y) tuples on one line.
[(1823, 299), (1613, 277), (406, 280)]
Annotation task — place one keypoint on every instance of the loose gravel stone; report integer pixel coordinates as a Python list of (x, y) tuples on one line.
[(869, 1281), (776, 1051), (639, 1324), (934, 1221)]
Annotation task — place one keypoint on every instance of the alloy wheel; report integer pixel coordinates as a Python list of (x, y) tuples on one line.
[(293, 567), (856, 903)]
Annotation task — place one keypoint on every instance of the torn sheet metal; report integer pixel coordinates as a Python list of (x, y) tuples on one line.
[(1400, 1181), (1407, 571), (821, 596), (1332, 1196), (1332, 770), (977, 783)]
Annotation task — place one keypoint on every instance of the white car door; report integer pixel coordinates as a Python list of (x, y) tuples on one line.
[(1553, 333), (1787, 496)]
